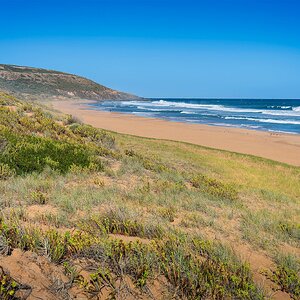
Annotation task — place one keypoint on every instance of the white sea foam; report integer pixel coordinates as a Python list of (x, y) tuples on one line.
[(224, 124), (215, 107), (147, 108), (283, 113), (281, 131), (188, 112), (278, 121), (250, 126), (297, 108), (265, 120), (143, 114), (279, 106), (136, 103), (160, 105)]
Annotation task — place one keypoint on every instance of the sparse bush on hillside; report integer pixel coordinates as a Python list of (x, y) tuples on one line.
[(70, 119), (30, 153), (292, 230), (149, 163), (203, 275), (38, 197), (28, 107), (8, 286), (98, 136), (214, 187), (6, 99), (191, 267), (32, 142), (121, 221), (168, 213), (5, 171), (136, 216), (287, 275)]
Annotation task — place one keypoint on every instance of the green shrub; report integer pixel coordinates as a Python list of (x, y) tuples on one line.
[(287, 275), (214, 187), (5, 171), (194, 267), (99, 182), (98, 136), (168, 213), (290, 229), (8, 286), (76, 170), (149, 163), (31, 153), (55, 245), (119, 221), (38, 197), (204, 275), (288, 280), (71, 120)]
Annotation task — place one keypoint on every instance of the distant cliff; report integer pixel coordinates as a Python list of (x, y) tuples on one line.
[(35, 83)]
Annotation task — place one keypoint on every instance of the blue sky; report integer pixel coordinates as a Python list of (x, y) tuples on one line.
[(161, 48)]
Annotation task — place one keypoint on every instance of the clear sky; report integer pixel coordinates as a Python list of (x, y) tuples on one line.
[(161, 48)]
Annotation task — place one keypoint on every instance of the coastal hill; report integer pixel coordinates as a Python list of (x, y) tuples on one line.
[(35, 83), (87, 213)]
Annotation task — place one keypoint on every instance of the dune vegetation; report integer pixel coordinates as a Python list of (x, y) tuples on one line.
[(94, 214)]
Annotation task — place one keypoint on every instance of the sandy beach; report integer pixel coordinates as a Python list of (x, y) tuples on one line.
[(276, 146)]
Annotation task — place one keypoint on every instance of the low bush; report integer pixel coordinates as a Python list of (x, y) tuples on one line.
[(149, 163), (120, 222), (31, 153), (38, 197), (168, 213), (290, 229), (8, 286), (287, 275), (204, 275), (193, 268), (6, 171), (214, 187), (69, 119), (98, 136)]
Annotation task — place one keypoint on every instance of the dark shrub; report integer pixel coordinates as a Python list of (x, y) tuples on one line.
[(25, 153)]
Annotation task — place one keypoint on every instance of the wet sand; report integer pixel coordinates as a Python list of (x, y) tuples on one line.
[(276, 146)]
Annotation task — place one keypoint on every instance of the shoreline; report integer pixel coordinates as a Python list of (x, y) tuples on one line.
[(276, 146)]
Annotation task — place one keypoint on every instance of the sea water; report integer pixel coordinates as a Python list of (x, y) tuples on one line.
[(275, 115)]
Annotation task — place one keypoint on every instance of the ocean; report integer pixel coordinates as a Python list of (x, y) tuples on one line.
[(256, 114)]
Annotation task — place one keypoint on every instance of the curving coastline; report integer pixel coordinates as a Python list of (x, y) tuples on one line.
[(276, 146)]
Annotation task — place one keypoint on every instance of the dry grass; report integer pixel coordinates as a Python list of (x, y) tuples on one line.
[(177, 207)]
